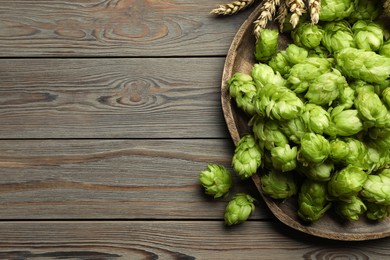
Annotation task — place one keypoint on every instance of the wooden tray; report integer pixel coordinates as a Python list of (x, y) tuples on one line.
[(240, 58)]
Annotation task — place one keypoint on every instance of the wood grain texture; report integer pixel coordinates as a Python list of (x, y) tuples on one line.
[(103, 179), (111, 98), (114, 28), (172, 240)]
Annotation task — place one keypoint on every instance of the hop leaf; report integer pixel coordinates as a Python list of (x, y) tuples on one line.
[(216, 180), (247, 157), (238, 209)]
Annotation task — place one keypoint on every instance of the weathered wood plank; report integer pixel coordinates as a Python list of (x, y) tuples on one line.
[(172, 240), (111, 98), (129, 179), (114, 28)]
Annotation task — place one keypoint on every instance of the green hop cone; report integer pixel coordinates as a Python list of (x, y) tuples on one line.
[(242, 88), (318, 171), (350, 210), (386, 97), (314, 148), (377, 212), (284, 158), (337, 36), (339, 150), (377, 188), (365, 65), (278, 185), (347, 97), (307, 35), (266, 44), (371, 109), (347, 182), (326, 88), (384, 50), (279, 63), (263, 74), (296, 54), (216, 180), (294, 129), (312, 200), (365, 10), (333, 10), (367, 35), (268, 133), (317, 118), (278, 103), (247, 157), (238, 209), (344, 122)]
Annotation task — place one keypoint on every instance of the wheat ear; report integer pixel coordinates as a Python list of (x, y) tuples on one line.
[(267, 12), (315, 8), (297, 8), (232, 8)]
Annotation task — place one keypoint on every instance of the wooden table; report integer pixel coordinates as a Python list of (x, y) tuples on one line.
[(109, 110)]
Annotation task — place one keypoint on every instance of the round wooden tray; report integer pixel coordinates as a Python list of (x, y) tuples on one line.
[(240, 58)]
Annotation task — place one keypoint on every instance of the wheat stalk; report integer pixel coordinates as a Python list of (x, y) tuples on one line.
[(297, 8), (315, 8), (282, 14), (232, 8), (267, 12)]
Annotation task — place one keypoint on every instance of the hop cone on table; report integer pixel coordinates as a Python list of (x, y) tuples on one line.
[(247, 157), (239, 208), (216, 180)]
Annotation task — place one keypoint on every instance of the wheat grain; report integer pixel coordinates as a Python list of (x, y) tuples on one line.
[(315, 8), (282, 14), (267, 12), (232, 8), (297, 8)]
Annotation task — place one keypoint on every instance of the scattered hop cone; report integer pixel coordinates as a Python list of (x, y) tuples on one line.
[(377, 211), (278, 185), (314, 148), (377, 188), (350, 210), (239, 208), (367, 35), (364, 65), (216, 180), (347, 182), (266, 44), (312, 200), (247, 157)]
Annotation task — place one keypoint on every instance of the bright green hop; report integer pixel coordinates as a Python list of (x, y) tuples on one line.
[(318, 171), (367, 35), (347, 182), (216, 180), (365, 10), (371, 109), (279, 63), (316, 117), (247, 157), (278, 185), (238, 209), (278, 103), (307, 35), (284, 158), (312, 200), (350, 210), (294, 129), (326, 88), (266, 44), (268, 133), (296, 54), (377, 211), (377, 188), (333, 10), (350, 151), (314, 148), (337, 36), (263, 74), (339, 150), (364, 65), (344, 122), (386, 97), (347, 97), (243, 90)]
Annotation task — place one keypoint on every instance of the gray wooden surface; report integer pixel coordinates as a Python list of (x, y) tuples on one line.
[(108, 111)]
